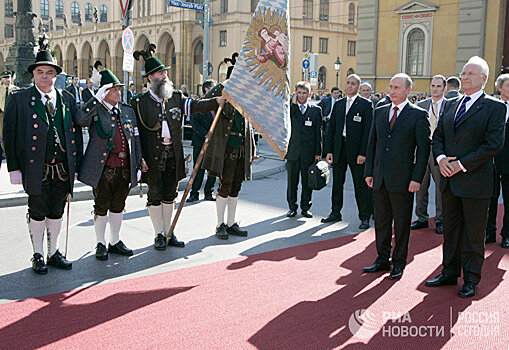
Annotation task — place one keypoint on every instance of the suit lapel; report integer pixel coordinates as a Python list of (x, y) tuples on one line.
[(64, 108), (352, 107), (37, 105), (401, 116), (476, 107)]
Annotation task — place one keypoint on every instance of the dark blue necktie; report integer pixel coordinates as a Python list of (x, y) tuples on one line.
[(461, 111)]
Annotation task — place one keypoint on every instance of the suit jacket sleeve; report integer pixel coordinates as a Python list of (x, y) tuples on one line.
[(330, 132), (368, 119), (493, 140), (203, 105), (85, 114), (318, 132), (10, 131), (438, 134), (78, 134), (422, 139), (370, 149), (321, 104)]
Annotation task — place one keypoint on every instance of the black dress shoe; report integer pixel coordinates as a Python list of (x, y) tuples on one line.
[(364, 224), (221, 232), (192, 199), (291, 213), (442, 280), (377, 267), (490, 237), (418, 225), (38, 264), (174, 242), (208, 197), (101, 253), (396, 273), (505, 242), (120, 249), (331, 218), (160, 242), (306, 214), (59, 261), (235, 230), (468, 290), (439, 228)]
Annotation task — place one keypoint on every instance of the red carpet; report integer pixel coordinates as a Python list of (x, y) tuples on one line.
[(296, 298)]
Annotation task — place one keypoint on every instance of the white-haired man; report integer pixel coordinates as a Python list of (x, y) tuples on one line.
[(366, 91), (470, 133)]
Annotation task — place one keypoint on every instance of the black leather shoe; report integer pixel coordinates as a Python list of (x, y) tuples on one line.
[(160, 242), (174, 242), (291, 213), (439, 228), (101, 253), (418, 225), (331, 218), (120, 249), (306, 214), (364, 224), (192, 199), (468, 290), (221, 232), (235, 230), (505, 242), (442, 280), (38, 264), (59, 261), (377, 267), (396, 273), (490, 238), (208, 197)]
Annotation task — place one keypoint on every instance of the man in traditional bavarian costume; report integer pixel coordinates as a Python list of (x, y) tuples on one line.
[(6, 87), (44, 148), (159, 114), (111, 160), (230, 156)]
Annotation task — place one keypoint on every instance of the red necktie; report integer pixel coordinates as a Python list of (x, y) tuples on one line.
[(394, 116)]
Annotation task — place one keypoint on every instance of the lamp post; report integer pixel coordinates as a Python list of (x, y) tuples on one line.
[(337, 67)]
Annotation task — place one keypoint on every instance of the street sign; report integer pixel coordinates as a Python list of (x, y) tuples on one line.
[(128, 63), (125, 5), (186, 5), (128, 40), (314, 75), (210, 70), (305, 64)]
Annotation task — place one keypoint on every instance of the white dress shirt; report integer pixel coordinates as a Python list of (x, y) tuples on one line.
[(332, 101), (349, 102), (400, 108), (165, 130), (52, 94), (439, 107)]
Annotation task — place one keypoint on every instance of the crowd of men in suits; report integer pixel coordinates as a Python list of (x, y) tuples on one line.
[(394, 148)]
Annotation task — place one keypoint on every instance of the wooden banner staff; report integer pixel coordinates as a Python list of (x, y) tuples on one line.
[(195, 170)]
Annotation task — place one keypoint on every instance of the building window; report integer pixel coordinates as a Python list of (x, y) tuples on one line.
[(224, 6), (308, 9), (254, 3), (222, 38), (75, 12), (351, 14), (324, 10), (59, 9), (9, 31), (322, 76), (415, 52), (60, 27), (352, 45), (350, 71), (9, 8), (44, 9), (324, 45), (88, 12), (104, 13), (307, 44)]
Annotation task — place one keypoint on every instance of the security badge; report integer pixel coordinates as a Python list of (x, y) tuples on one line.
[(357, 118), (308, 123)]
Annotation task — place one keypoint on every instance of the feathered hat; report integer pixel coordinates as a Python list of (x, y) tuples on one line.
[(232, 60), (152, 64), (44, 56)]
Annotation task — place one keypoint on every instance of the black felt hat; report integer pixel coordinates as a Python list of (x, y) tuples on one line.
[(44, 56)]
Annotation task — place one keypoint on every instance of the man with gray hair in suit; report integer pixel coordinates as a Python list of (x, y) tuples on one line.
[(433, 106), (452, 88)]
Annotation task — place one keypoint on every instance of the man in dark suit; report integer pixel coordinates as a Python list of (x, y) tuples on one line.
[(470, 133), (384, 101), (365, 90), (452, 88), (131, 92), (433, 106), (44, 148), (304, 148), (397, 155), (327, 104), (89, 92), (201, 123), (345, 144), (74, 90), (501, 175)]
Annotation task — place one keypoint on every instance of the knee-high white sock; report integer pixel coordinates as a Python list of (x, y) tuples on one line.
[(53, 226), (220, 209), (156, 216), (232, 208), (36, 230), (100, 228), (167, 216), (115, 223)]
